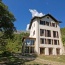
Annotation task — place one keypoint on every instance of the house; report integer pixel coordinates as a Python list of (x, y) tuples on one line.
[(45, 37)]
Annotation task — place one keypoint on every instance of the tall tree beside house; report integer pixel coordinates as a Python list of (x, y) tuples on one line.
[(6, 24)]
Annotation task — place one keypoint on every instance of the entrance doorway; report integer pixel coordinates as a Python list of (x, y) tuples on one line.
[(50, 51), (42, 50)]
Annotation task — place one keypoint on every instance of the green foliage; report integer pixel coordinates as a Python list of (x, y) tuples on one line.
[(6, 25), (15, 44), (6, 20), (10, 59), (63, 35), (6, 54)]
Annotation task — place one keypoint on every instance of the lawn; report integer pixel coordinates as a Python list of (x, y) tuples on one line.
[(60, 58), (33, 63), (13, 60)]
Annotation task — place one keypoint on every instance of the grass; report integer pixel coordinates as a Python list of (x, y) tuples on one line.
[(11, 60), (33, 63), (60, 58)]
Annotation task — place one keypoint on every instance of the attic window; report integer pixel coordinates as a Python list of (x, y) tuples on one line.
[(47, 17)]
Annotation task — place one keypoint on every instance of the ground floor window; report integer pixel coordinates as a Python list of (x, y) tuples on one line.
[(50, 51), (26, 49), (57, 51), (42, 50), (29, 49)]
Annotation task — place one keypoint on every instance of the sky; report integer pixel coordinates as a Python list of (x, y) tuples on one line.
[(22, 10)]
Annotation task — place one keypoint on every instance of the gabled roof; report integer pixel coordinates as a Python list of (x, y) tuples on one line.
[(36, 17)]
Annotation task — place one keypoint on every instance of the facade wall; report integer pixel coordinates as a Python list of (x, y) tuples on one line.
[(37, 28)]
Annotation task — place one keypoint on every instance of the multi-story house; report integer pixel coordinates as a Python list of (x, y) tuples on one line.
[(45, 36)]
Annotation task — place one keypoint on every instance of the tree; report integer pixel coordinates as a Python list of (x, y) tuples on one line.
[(6, 20), (63, 35), (15, 44), (6, 24)]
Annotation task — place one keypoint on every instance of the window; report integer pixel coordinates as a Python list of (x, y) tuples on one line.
[(49, 41), (29, 42), (26, 49), (45, 32), (56, 25), (34, 33), (47, 23), (54, 33), (42, 22), (31, 49), (52, 42), (50, 24), (32, 42), (53, 24), (48, 33), (57, 35), (45, 41), (41, 32), (58, 51), (42, 50), (55, 42), (42, 41)]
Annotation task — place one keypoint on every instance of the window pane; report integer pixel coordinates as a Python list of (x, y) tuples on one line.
[(49, 41), (41, 32), (26, 49), (47, 23), (42, 41), (48, 33), (42, 22), (55, 42), (31, 49), (53, 24)]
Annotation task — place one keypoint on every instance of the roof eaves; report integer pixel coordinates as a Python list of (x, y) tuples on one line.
[(43, 17)]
